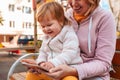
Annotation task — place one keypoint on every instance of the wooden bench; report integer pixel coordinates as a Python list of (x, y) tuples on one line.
[(114, 75)]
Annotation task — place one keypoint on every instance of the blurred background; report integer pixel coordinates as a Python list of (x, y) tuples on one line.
[(17, 18), (20, 33)]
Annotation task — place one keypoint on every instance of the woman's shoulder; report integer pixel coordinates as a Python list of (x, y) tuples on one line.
[(101, 12)]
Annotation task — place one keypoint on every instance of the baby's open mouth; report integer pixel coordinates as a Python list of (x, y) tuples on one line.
[(49, 32)]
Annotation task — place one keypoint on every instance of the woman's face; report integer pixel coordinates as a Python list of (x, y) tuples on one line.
[(80, 6)]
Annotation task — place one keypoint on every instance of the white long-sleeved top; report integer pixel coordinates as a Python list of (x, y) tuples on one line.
[(62, 49)]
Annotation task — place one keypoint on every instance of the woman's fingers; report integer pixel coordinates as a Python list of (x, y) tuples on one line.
[(56, 73), (61, 71), (56, 69)]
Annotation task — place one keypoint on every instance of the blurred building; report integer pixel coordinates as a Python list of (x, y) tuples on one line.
[(115, 7), (105, 4), (18, 18)]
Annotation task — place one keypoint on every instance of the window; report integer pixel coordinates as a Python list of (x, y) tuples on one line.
[(11, 7), (27, 25), (1, 20), (26, 9), (12, 23), (28, 0)]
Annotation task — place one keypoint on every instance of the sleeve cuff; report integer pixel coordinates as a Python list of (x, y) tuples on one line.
[(80, 72)]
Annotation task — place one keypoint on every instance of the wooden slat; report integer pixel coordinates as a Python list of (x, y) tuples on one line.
[(118, 44), (115, 74), (116, 59), (18, 76), (116, 62)]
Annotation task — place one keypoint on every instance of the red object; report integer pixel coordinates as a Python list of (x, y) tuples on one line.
[(34, 4), (15, 51)]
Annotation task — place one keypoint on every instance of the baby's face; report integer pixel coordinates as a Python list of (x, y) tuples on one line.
[(51, 28)]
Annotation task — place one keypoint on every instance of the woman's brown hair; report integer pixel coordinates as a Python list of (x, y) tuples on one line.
[(93, 4)]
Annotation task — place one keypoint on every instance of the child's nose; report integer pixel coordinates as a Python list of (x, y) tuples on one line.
[(47, 28)]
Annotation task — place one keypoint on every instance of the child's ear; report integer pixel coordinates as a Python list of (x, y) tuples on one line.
[(61, 23)]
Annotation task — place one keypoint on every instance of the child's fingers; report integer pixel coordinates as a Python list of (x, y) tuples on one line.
[(28, 61)]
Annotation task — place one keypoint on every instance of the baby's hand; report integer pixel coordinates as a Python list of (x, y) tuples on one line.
[(31, 61), (28, 61), (47, 65)]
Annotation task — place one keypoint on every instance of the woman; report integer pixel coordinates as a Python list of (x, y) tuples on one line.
[(95, 28)]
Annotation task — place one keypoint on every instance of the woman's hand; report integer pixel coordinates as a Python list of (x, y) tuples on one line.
[(61, 71)]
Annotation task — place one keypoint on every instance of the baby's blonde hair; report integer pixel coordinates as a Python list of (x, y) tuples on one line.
[(51, 10)]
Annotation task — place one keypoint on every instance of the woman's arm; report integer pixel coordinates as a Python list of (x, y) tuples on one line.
[(61, 71)]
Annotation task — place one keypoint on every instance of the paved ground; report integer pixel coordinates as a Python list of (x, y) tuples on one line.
[(7, 60), (5, 63)]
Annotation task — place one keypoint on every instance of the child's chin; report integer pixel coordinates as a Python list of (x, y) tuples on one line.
[(51, 36)]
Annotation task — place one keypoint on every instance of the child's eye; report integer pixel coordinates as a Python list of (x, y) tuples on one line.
[(42, 26), (49, 24)]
